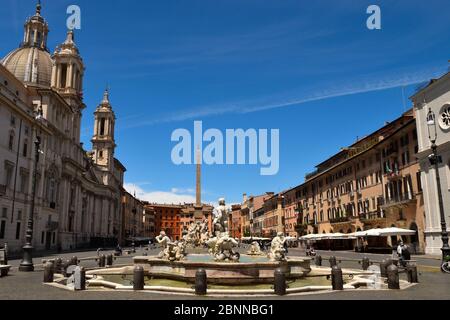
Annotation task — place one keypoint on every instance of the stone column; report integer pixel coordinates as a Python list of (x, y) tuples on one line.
[(74, 77), (53, 76), (69, 76), (58, 75), (34, 36)]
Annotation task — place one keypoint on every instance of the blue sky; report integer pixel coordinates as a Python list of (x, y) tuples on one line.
[(310, 69)]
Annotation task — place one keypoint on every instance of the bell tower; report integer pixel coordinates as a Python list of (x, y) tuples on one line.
[(68, 69), (103, 143), (67, 79)]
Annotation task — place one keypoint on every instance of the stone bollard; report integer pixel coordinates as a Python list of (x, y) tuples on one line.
[(64, 266), (101, 261), (412, 274), (393, 278), (109, 260), (337, 280), (80, 278), (365, 263), (280, 282), (318, 260), (6, 253), (58, 265), (138, 278), (49, 271), (201, 282), (332, 261), (385, 263), (74, 261)]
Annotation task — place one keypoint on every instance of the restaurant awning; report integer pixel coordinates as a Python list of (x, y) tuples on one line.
[(385, 232), (328, 236)]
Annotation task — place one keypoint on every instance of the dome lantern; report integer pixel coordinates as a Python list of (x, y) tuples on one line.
[(31, 63), (36, 31)]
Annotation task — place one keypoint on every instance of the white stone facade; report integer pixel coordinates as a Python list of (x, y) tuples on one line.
[(436, 96), (78, 193)]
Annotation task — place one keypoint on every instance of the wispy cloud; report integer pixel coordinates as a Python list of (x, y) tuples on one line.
[(189, 50), (350, 87), (356, 87), (157, 196)]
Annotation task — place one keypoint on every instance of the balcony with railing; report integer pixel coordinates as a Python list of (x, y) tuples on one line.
[(340, 219), (371, 216), (401, 200)]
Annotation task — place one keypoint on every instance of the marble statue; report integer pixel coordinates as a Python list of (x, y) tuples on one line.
[(211, 244), (163, 240), (220, 221), (204, 232), (197, 234), (180, 250), (277, 250), (174, 251), (221, 244), (224, 248), (255, 249)]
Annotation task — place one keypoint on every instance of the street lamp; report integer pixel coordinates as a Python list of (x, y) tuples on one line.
[(434, 160), (27, 262)]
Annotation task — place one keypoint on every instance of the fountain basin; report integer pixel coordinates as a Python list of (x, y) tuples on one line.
[(250, 269)]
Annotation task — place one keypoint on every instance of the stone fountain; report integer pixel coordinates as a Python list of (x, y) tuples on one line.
[(223, 264)]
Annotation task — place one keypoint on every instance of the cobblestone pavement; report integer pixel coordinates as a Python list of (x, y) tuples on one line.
[(433, 284)]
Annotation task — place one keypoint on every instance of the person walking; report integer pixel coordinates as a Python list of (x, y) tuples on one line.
[(365, 245), (406, 255), (400, 253)]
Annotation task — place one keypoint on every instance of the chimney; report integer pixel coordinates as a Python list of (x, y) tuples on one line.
[(244, 198)]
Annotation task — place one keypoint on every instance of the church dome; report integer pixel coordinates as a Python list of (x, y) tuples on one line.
[(31, 65)]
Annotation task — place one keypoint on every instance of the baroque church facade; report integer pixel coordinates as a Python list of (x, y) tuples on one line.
[(78, 192)]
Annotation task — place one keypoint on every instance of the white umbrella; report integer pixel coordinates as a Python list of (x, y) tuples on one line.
[(334, 235), (311, 236), (386, 232), (358, 234), (395, 232), (374, 232), (339, 236)]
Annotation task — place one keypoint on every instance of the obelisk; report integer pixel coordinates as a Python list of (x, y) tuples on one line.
[(198, 214)]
